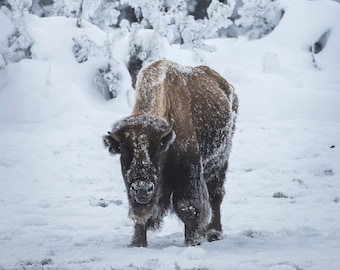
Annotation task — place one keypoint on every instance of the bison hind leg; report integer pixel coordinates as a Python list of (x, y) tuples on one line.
[(215, 183), (214, 235), (214, 228)]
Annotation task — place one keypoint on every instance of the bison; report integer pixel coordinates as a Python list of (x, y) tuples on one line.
[(174, 149)]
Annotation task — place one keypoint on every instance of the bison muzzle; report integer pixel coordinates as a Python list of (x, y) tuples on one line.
[(174, 149)]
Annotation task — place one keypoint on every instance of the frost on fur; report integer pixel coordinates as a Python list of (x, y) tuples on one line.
[(174, 154)]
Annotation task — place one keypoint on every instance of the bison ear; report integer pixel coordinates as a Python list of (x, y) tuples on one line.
[(167, 138), (111, 141)]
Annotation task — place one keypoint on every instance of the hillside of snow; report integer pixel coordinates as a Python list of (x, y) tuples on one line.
[(63, 203)]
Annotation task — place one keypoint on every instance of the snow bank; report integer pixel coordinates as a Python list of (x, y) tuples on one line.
[(314, 19), (54, 83)]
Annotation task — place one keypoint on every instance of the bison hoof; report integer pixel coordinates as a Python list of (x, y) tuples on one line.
[(193, 242), (214, 235), (137, 244), (194, 236)]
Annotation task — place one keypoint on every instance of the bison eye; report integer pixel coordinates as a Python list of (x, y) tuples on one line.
[(126, 155)]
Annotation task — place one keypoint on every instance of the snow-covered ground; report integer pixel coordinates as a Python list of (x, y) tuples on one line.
[(281, 210)]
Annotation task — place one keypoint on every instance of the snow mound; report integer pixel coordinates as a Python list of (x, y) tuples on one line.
[(55, 83)]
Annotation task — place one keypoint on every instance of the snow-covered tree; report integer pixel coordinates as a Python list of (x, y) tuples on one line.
[(107, 14), (194, 32), (87, 9), (108, 80), (170, 20), (42, 8), (149, 25), (19, 42), (67, 8), (143, 48), (146, 48), (84, 48), (259, 17)]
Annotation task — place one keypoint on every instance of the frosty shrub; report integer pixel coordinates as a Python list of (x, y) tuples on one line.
[(67, 8), (194, 32), (259, 17), (106, 15), (84, 48), (145, 46), (135, 64), (19, 42), (42, 8), (87, 9), (108, 80), (170, 20)]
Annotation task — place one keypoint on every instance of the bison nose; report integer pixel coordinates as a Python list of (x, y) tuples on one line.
[(142, 191)]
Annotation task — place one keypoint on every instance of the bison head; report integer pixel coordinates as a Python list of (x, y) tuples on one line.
[(141, 142)]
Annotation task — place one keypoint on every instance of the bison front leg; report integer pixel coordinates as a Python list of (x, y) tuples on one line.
[(194, 235), (139, 237), (191, 203), (195, 214)]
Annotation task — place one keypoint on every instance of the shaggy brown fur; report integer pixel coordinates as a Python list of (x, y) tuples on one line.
[(175, 148)]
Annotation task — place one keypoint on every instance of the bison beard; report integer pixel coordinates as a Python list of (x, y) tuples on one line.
[(174, 149)]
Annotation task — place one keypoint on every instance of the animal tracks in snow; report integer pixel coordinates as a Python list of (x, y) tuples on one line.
[(104, 203)]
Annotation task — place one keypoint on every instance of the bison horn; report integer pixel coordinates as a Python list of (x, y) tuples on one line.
[(114, 136), (168, 129)]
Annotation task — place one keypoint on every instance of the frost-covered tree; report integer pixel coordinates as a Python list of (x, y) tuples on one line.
[(42, 8), (67, 8), (143, 48), (259, 17), (170, 20), (87, 8), (151, 14), (19, 42), (85, 48), (194, 32), (198, 8), (107, 14), (109, 79)]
